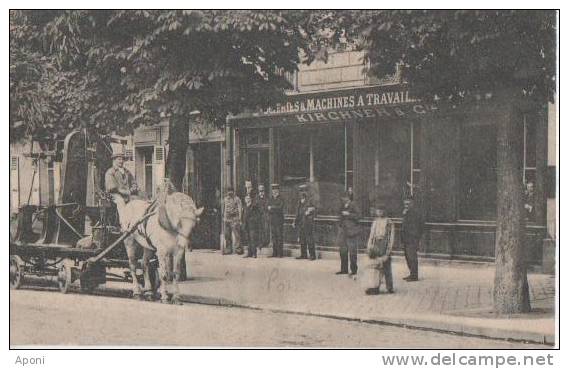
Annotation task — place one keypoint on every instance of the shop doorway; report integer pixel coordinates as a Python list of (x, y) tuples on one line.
[(258, 167), (205, 180)]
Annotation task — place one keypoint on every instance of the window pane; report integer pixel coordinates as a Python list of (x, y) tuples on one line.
[(255, 136), (148, 156), (478, 172), (294, 156), (263, 177), (329, 168), (393, 167), (294, 163), (253, 166), (252, 138)]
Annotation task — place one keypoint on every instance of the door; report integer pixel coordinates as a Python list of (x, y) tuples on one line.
[(258, 167), (206, 191)]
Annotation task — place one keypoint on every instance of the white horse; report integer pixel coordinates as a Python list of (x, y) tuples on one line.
[(165, 233)]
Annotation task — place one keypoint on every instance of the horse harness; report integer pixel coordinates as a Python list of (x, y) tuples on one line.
[(163, 220)]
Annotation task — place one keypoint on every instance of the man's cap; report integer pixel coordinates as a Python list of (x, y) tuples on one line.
[(229, 189), (303, 188), (275, 186)]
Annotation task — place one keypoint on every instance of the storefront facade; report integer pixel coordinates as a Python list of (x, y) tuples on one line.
[(385, 144)]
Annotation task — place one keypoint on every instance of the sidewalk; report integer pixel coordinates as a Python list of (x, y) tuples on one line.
[(452, 298)]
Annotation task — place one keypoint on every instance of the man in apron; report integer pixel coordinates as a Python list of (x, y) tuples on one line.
[(119, 182)]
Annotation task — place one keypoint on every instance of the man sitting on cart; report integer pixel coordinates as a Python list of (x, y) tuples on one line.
[(120, 184)]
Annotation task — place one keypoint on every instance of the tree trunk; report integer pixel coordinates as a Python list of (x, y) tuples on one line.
[(511, 292), (178, 142)]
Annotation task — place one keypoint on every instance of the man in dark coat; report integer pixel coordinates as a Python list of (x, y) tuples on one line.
[(276, 216), (252, 226), (263, 204), (412, 228), (348, 235), (304, 221)]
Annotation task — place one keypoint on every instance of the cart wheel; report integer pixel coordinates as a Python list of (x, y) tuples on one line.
[(16, 272), (64, 277)]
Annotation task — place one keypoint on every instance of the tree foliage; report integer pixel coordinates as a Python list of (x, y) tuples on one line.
[(456, 53), (120, 69)]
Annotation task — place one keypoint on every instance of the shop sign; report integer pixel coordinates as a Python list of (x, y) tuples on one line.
[(348, 101), (366, 103), (366, 113)]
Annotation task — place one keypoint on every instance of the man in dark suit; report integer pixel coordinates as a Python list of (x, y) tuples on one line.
[(263, 204), (412, 228), (252, 226), (304, 221), (348, 236), (276, 217)]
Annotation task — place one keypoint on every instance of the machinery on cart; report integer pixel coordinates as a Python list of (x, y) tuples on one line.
[(70, 240)]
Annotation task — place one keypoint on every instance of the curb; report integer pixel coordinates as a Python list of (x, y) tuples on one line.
[(417, 324)]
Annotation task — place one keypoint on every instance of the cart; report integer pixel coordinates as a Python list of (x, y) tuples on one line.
[(70, 241)]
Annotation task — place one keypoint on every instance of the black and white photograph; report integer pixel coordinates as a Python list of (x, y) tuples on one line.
[(284, 179)]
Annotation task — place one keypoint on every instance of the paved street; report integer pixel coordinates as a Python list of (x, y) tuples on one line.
[(51, 318)]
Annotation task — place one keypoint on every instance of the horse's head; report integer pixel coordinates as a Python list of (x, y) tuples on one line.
[(181, 216)]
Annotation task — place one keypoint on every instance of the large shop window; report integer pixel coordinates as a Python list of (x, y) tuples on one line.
[(478, 172), (396, 159), (316, 157)]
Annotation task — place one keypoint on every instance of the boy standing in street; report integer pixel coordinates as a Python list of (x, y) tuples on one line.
[(232, 213), (379, 247)]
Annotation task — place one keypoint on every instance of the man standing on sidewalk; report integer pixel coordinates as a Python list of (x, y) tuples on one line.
[(232, 212), (276, 215), (348, 237), (252, 226), (304, 221), (263, 204), (412, 228)]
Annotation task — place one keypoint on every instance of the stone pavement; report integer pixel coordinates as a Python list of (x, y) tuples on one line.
[(453, 297)]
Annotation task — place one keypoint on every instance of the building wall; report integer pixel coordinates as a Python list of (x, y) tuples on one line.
[(342, 69)]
